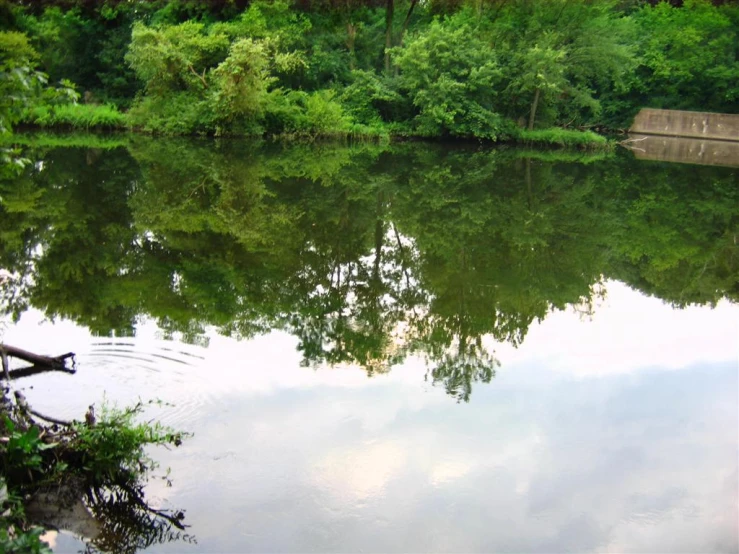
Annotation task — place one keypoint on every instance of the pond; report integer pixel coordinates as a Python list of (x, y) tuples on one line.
[(398, 348)]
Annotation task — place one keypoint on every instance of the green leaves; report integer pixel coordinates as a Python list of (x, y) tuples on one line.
[(174, 57), (18, 79), (242, 81), (113, 448), (23, 450), (688, 56), (452, 78), (572, 52), (25, 542), (220, 78)]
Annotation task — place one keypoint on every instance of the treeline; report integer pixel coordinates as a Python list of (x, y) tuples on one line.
[(490, 69)]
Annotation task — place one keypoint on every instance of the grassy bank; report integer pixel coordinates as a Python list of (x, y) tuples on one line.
[(75, 116), (85, 117), (67, 139)]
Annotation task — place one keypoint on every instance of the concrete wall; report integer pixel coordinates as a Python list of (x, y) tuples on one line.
[(684, 150), (721, 126)]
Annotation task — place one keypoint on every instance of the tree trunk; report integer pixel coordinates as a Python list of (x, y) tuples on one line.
[(406, 21), (389, 12), (351, 37), (534, 104)]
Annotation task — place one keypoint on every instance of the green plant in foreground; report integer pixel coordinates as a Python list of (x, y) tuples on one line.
[(102, 462), (25, 542), (24, 448), (113, 448)]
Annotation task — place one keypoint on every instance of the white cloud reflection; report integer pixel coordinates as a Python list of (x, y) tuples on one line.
[(618, 434)]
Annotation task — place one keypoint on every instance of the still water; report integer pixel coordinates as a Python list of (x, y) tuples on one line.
[(406, 348)]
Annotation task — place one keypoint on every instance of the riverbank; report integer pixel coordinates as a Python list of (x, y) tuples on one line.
[(106, 117)]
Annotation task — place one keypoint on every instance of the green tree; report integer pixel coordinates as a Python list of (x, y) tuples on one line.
[(688, 57), (452, 78), (573, 52), (542, 75), (18, 79), (176, 57)]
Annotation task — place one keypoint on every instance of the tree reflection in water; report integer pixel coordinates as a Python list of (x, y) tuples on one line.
[(367, 254), (107, 519)]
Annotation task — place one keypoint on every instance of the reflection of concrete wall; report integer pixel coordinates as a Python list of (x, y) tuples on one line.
[(684, 150), (721, 126)]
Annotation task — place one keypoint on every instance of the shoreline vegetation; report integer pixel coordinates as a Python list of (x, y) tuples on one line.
[(537, 73), (86, 117)]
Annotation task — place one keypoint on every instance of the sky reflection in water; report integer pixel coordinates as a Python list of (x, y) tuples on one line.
[(594, 436)]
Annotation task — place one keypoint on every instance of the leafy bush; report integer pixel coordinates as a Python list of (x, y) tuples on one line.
[(113, 449), (451, 77), (173, 58), (310, 115), (17, 77), (16, 540), (372, 98), (103, 461), (174, 114)]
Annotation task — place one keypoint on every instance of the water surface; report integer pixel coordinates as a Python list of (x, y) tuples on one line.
[(397, 348)]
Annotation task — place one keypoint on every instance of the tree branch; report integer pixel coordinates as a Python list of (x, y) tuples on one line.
[(406, 21), (200, 77)]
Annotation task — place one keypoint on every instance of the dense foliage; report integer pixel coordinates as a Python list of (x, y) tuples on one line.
[(475, 68)]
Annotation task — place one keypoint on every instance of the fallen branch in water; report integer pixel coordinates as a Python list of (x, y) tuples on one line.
[(6, 372), (23, 405), (20, 373), (58, 363)]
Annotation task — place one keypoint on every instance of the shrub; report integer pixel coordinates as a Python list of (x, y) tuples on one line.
[(174, 114), (113, 449), (310, 115), (451, 77), (372, 98)]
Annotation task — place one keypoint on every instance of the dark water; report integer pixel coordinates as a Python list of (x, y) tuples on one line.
[(405, 348)]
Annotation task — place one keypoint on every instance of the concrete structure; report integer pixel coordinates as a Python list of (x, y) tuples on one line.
[(703, 125), (684, 150)]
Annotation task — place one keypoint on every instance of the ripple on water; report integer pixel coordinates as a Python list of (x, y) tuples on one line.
[(123, 372), (161, 370)]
